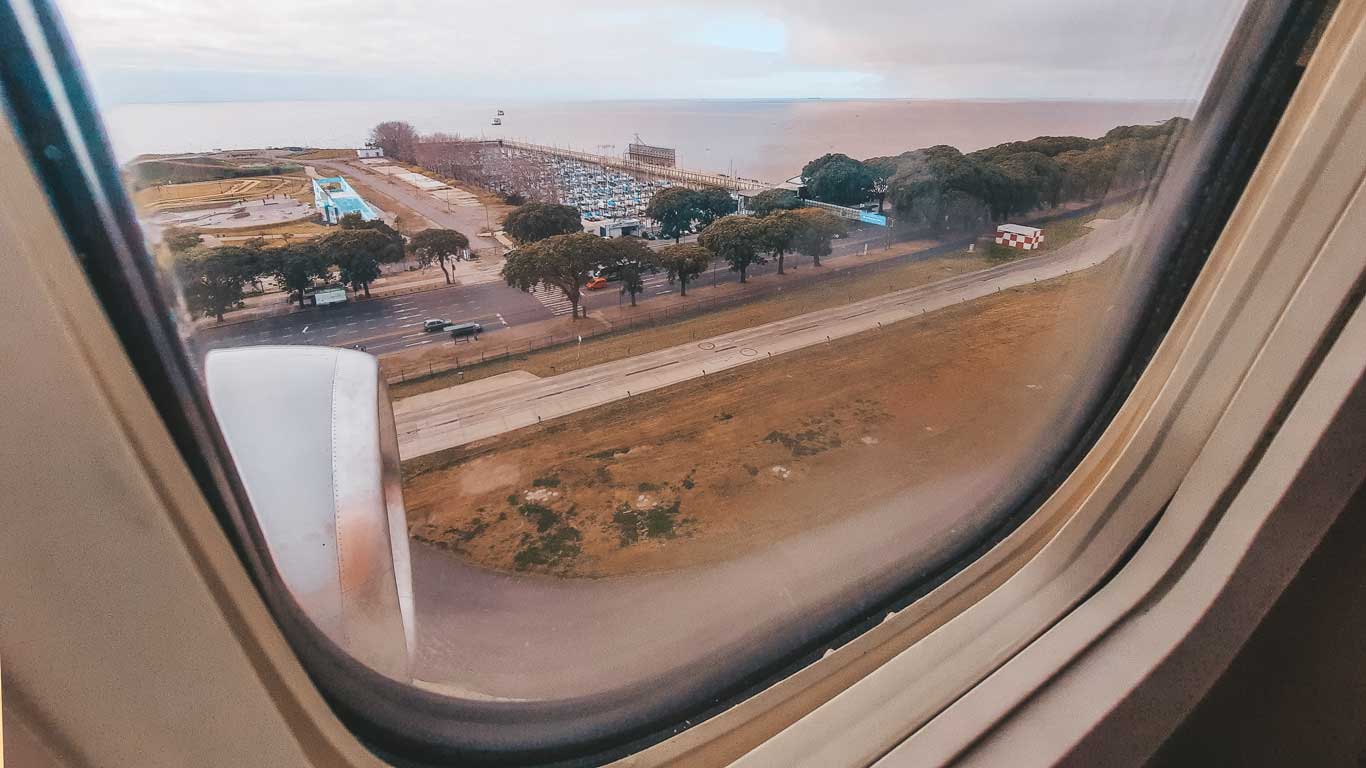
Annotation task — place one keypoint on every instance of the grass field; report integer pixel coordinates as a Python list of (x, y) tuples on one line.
[(715, 468)]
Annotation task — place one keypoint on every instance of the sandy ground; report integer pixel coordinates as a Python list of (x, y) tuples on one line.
[(708, 470), (201, 195)]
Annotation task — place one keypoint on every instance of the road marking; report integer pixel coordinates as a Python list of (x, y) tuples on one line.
[(305, 329), (419, 343)]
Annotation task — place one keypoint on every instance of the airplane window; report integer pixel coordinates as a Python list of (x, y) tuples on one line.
[(710, 330)]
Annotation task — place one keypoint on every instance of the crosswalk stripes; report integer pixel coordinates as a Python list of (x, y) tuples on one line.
[(553, 299)]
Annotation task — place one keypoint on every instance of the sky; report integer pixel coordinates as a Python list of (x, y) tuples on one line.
[(161, 51)]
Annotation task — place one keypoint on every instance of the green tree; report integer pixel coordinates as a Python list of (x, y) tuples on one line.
[(356, 252), (739, 240), (842, 181), (780, 232), (818, 228), (393, 250), (438, 246), (295, 267), (684, 262), (565, 262), (212, 278), (632, 260), (538, 221), (771, 200), (814, 167), (675, 208), (713, 203)]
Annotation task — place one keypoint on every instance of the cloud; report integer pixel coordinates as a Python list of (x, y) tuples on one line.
[(160, 50)]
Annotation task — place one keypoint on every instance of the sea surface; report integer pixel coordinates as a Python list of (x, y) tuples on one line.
[(768, 140)]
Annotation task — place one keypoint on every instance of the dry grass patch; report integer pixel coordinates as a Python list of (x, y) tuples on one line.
[(716, 467)]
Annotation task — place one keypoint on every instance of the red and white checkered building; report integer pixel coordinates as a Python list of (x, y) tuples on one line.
[(1019, 236)]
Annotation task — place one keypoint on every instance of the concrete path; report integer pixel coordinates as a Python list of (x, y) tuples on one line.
[(450, 417)]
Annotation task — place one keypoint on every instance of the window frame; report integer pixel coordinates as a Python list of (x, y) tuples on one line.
[(79, 178)]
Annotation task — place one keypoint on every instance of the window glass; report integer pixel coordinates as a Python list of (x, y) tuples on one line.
[(709, 327)]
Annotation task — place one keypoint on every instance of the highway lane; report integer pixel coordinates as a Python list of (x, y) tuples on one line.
[(383, 325), (446, 418)]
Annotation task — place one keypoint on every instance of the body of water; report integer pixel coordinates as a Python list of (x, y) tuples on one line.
[(763, 139)]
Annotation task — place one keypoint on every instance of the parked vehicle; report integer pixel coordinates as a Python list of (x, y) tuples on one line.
[(327, 296)]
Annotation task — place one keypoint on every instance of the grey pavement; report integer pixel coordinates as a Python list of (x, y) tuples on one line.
[(469, 221), (449, 417)]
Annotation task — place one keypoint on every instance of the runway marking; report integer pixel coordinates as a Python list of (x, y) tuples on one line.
[(803, 328), (653, 367), (571, 389)]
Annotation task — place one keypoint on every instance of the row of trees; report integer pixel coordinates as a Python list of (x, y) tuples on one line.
[(215, 279), (941, 189), (553, 250)]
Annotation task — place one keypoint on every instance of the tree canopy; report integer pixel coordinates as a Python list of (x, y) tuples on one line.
[(839, 179), (771, 200), (538, 221), (817, 229), (296, 266), (393, 249), (713, 203), (565, 262), (438, 246), (939, 188), (356, 252), (632, 260), (779, 231), (675, 208), (682, 263), (736, 239), (212, 278), (398, 140)]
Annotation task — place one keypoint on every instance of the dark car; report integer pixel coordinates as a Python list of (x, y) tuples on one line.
[(434, 325), (464, 329)]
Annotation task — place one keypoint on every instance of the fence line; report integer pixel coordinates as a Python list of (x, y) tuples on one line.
[(470, 352)]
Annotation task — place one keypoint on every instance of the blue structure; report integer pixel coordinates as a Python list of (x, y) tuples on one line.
[(334, 198)]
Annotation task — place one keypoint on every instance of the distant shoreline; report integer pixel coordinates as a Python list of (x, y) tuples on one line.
[(754, 138)]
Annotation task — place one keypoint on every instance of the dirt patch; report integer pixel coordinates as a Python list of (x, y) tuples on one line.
[(716, 467)]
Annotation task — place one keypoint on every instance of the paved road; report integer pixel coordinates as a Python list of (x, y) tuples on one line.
[(449, 417)]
